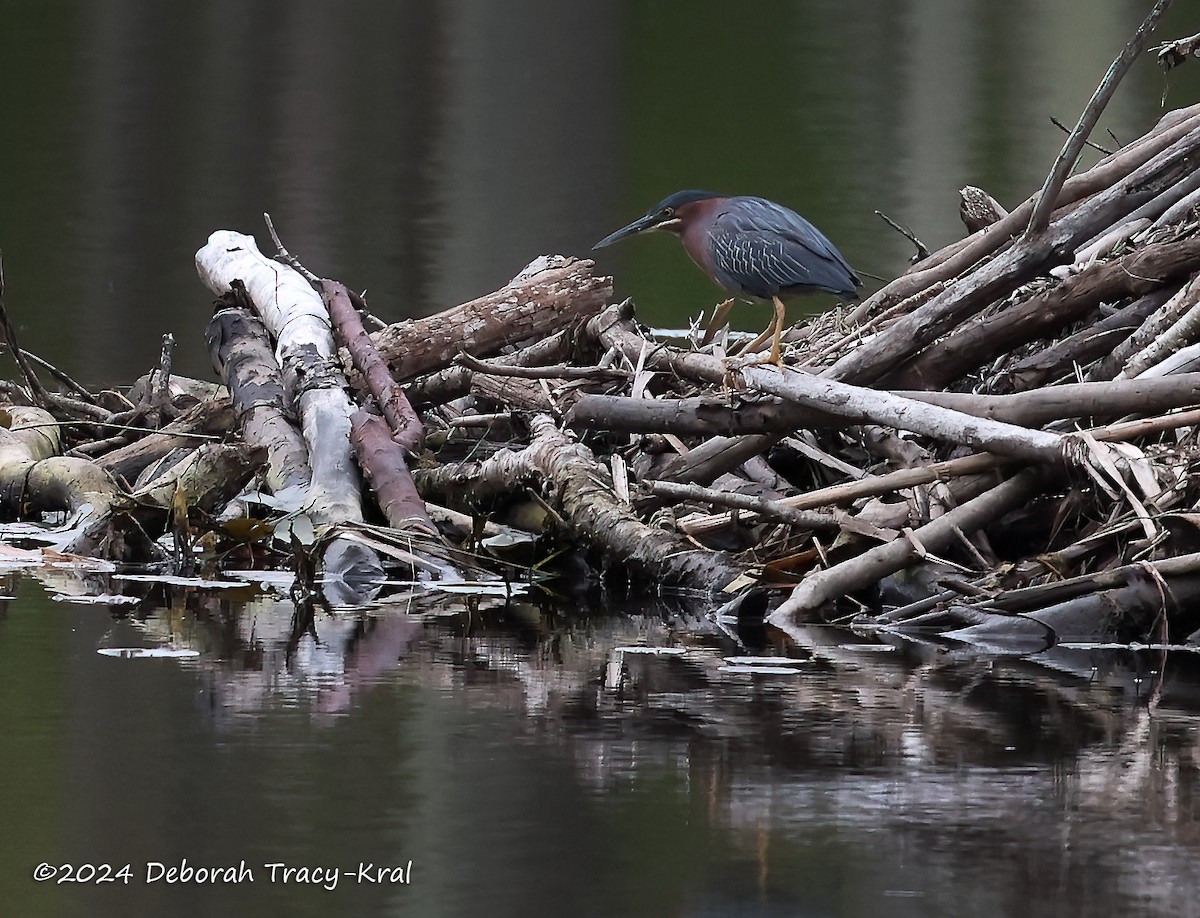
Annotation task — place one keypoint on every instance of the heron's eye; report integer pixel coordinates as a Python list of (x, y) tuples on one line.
[(667, 212)]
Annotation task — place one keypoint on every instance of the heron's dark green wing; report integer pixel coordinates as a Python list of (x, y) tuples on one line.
[(761, 249)]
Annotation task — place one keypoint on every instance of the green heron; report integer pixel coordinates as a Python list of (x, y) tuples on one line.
[(751, 247)]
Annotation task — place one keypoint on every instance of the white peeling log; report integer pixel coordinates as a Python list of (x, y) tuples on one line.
[(297, 319), (876, 407)]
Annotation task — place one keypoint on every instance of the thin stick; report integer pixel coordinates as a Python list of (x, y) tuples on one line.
[(922, 251), (287, 257), (768, 509), (62, 377), (1073, 146), (560, 371), (1066, 130), (40, 395)]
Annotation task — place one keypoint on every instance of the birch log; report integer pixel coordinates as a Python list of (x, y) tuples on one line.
[(295, 315)]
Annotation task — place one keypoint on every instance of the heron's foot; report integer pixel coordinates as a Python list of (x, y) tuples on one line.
[(774, 358)]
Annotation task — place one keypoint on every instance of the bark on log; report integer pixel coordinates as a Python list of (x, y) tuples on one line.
[(241, 353), (385, 465), (299, 321), (568, 472), (873, 565), (883, 352), (556, 293), (343, 306), (295, 315), (980, 340)]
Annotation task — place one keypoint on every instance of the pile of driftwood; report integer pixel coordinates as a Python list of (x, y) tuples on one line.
[(1000, 444)]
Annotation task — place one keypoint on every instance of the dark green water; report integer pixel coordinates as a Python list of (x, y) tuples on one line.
[(527, 765), (427, 152)]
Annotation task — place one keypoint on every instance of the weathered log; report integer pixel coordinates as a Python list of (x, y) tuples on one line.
[(551, 294), (212, 419), (706, 415), (295, 315), (551, 396), (454, 382), (569, 474), (868, 405), (882, 353), (1073, 146), (207, 478), (979, 340), (1087, 345), (343, 307), (873, 565), (1073, 400), (1182, 321), (385, 465), (299, 321), (852, 402), (701, 415), (713, 458), (978, 209), (241, 353), (949, 262), (34, 479)]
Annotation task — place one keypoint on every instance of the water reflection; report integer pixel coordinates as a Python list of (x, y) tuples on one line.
[(427, 152), (547, 750), (523, 761)]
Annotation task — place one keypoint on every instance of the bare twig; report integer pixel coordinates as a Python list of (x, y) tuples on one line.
[(922, 251), (1066, 130), (1173, 53), (287, 257), (62, 377), (40, 395), (1073, 146), (559, 371)]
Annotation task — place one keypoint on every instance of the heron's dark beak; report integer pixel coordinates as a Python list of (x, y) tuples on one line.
[(641, 224)]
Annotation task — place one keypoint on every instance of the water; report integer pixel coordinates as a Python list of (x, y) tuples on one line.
[(527, 765), (427, 152)]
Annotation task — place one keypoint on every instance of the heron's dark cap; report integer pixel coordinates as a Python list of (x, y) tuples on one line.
[(679, 198), (661, 215)]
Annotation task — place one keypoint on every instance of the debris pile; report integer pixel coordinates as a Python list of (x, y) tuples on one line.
[(1000, 444)]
